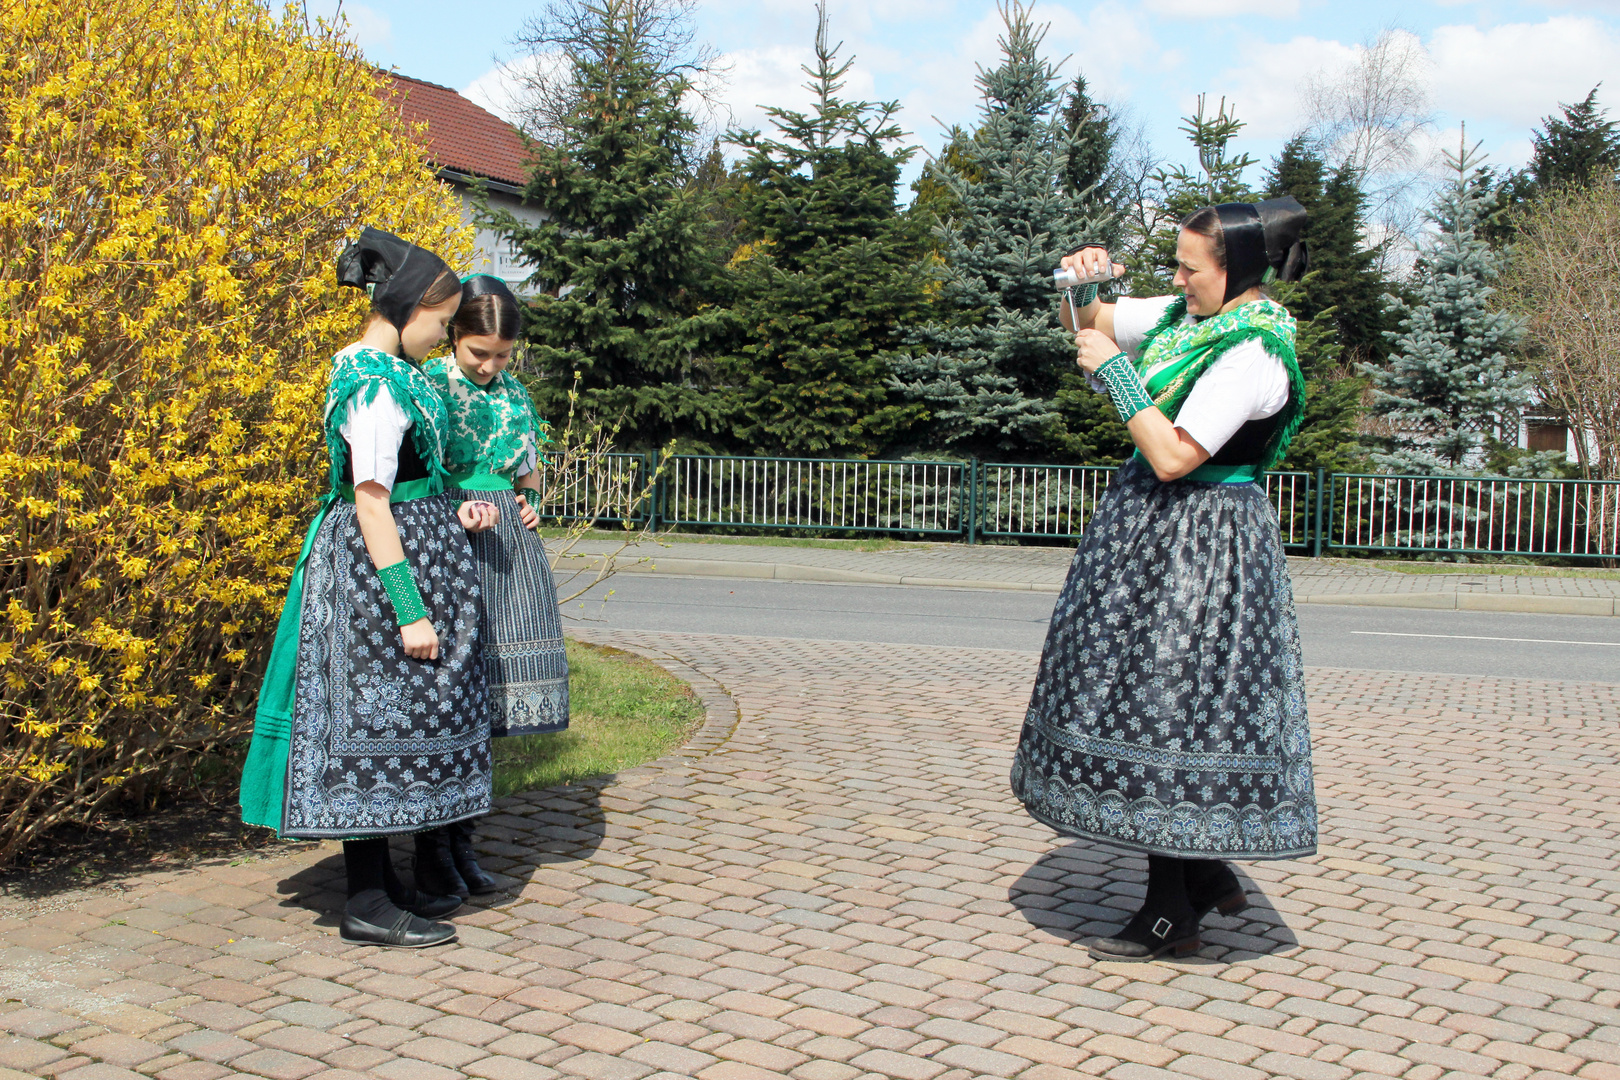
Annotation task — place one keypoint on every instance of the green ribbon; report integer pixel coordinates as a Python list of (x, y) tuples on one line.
[(480, 481)]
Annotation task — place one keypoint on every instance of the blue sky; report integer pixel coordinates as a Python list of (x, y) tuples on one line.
[(1497, 67)]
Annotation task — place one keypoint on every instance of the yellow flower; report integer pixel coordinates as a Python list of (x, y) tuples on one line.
[(175, 182)]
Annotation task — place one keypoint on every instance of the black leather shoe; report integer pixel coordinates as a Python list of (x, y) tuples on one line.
[(479, 880), (427, 905), (435, 868), (1149, 935), (406, 931), (1213, 886)]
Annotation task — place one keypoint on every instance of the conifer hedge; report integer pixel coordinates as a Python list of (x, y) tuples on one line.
[(175, 180)]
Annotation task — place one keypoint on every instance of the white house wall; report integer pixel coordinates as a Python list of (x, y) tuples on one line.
[(494, 255)]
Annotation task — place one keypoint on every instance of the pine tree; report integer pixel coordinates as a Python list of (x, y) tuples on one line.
[(1582, 148), (828, 278), (994, 364), (627, 253), (1448, 389)]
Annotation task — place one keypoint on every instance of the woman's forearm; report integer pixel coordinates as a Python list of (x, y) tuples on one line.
[(377, 526), (1169, 450), (529, 480)]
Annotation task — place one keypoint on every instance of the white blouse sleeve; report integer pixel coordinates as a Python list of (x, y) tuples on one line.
[(374, 431), (1133, 318), (1246, 384)]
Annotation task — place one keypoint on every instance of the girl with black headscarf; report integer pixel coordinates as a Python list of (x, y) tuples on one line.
[(373, 717), (1168, 715)]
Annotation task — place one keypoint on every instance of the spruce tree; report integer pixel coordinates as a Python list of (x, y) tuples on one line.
[(994, 362), (828, 277), (626, 254), (1090, 173), (1218, 179), (1448, 389)]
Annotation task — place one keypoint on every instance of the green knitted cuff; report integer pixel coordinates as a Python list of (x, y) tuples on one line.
[(1125, 387), (1088, 293), (402, 592)]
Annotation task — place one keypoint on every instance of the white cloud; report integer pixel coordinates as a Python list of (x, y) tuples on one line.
[(1517, 73), (1223, 9), (500, 88), (1266, 90)]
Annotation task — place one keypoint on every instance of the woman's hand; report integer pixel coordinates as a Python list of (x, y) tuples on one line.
[(527, 514), (477, 516), (421, 640), (1092, 262), (1096, 349)]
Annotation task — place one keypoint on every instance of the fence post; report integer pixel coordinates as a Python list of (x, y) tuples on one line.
[(970, 507), (655, 498), (1316, 530)]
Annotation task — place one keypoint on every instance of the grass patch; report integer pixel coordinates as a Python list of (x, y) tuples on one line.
[(624, 710)]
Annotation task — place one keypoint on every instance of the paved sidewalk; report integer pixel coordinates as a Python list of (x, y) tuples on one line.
[(833, 883), (1042, 569)]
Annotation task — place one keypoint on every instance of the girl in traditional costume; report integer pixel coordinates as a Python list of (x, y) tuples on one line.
[(1168, 715), (373, 718), (493, 453)]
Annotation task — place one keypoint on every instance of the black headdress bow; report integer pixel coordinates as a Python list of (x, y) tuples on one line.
[(400, 271), (1262, 236)]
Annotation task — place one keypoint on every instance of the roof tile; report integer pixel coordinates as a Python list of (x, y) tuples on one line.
[(460, 134)]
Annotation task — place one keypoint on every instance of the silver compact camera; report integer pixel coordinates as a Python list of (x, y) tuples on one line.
[(1063, 278)]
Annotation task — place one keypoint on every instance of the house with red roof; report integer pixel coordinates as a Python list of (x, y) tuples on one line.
[(468, 145)]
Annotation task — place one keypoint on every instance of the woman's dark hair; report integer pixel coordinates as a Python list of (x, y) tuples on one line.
[(490, 314), (1206, 221)]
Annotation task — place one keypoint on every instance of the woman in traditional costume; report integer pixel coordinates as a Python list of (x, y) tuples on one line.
[(493, 454), (373, 719), (1168, 715)]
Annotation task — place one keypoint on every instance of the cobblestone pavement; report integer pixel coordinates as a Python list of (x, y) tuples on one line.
[(843, 888), (1042, 569)]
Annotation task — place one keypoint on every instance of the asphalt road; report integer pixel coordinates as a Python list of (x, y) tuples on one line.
[(1585, 648)]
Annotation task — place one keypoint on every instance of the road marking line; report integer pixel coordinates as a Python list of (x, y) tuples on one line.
[(1478, 637)]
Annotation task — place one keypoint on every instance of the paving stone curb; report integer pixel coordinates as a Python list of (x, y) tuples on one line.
[(1445, 601)]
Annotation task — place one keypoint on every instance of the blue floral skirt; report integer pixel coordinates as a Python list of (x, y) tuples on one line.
[(381, 743), (1168, 714)]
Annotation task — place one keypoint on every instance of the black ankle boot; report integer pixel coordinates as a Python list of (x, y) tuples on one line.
[(1166, 923), (1213, 886), (478, 879), (1150, 934), (435, 868)]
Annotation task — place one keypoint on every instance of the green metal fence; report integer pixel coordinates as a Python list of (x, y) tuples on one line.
[(1316, 512)]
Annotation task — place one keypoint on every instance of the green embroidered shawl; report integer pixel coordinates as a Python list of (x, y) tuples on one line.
[(359, 373), (1175, 353), (489, 425)]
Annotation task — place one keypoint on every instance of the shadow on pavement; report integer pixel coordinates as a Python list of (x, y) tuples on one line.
[(525, 832), (1082, 891)]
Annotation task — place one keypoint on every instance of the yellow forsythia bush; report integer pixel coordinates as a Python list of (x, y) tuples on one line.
[(176, 179)]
